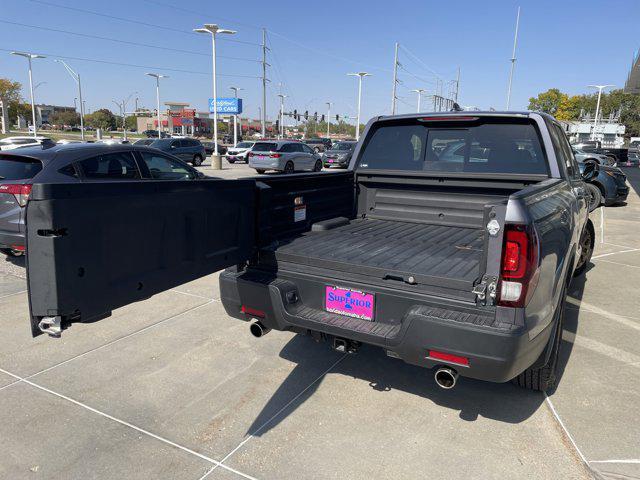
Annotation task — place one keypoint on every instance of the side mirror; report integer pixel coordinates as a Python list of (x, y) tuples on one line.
[(591, 171)]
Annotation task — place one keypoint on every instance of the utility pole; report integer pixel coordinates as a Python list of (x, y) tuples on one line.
[(263, 116), (513, 59), (457, 86), (235, 117), (395, 81), (419, 92), (328, 119)]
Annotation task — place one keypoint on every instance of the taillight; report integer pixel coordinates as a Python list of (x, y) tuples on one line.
[(250, 154), (21, 192), (275, 155), (519, 268)]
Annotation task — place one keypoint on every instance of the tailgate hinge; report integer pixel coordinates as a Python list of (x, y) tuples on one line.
[(486, 288)]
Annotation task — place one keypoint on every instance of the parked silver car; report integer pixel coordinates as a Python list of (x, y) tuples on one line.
[(582, 156), (283, 156)]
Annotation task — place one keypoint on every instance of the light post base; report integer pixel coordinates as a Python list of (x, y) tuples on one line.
[(216, 161)]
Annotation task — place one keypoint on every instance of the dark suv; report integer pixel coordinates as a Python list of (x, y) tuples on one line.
[(186, 149)]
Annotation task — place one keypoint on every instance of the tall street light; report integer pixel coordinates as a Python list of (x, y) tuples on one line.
[(282, 97), (31, 56), (157, 76), (76, 78), (419, 91), (328, 118), (360, 76), (595, 120), (213, 29), (235, 117)]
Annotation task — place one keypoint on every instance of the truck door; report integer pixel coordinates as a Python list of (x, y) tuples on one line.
[(94, 247)]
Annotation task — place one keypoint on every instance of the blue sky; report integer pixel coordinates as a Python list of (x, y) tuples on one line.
[(564, 44)]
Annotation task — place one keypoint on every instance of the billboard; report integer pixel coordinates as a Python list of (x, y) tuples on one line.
[(229, 106)]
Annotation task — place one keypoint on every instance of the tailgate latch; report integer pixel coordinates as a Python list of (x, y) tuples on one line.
[(487, 287)]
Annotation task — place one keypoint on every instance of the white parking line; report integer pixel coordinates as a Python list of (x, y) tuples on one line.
[(630, 462), (624, 320), (275, 415), (194, 295), (569, 436), (12, 294), (127, 424), (615, 253), (144, 329), (621, 264)]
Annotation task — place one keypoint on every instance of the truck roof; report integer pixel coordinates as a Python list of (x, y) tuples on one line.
[(513, 114)]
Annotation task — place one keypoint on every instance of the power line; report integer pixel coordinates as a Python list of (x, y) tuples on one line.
[(128, 20), (127, 42), (420, 79), (415, 58), (150, 67)]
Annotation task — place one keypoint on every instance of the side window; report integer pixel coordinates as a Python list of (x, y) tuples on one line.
[(566, 154), (306, 148), (176, 144), (164, 168), (287, 148), (111, 166)]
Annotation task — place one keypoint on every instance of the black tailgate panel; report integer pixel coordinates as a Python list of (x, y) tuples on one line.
[(96, 247)]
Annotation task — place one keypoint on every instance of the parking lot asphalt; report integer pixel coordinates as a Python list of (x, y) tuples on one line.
[(172, 388)]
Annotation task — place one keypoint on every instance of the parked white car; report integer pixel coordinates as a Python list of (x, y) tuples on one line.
[(240, 152), (10, 143)]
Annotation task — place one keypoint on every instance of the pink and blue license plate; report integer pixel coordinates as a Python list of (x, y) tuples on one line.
[(349, 302)]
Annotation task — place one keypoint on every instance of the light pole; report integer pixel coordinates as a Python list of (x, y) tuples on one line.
[(31, 56), (595, 120), (419, 92), (76, 77), (157, 76), (328, 118), (282, 97), (360, 76), (235, 117), (213, 29)]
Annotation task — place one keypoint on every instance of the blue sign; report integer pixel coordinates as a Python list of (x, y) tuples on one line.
[(230, 106)]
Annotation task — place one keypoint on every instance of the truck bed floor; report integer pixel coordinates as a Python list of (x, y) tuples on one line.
[(386, 248)]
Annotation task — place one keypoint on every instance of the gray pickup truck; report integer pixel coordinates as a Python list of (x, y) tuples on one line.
[(449, 242)]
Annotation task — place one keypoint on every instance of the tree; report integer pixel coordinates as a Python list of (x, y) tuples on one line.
[(131, 122), (10, 94), (549, 101), (69, 118), (102, 119)]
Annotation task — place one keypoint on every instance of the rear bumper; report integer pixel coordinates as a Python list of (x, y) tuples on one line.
[(619, 195), (495, 354), (10, 240)]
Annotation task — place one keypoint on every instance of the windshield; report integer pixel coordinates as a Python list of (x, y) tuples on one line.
[(496, 145), (18, 168), (344, 146), (265, 147), (244, 145)]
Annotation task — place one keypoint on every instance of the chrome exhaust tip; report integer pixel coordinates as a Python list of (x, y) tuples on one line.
[(258, 330), (446, 377)]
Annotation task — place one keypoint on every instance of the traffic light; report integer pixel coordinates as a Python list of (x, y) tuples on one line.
[(337, 118), (295, 113), (306, 114), (315, 117), (277, 125), (322, 118)]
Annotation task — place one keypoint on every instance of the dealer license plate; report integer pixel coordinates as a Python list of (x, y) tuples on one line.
[(349, 302)]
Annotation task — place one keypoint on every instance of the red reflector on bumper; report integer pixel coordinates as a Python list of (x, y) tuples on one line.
[(252, 311), (448, 357), (20, 248)]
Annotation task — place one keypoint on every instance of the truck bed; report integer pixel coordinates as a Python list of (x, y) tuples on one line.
[(392, 250)]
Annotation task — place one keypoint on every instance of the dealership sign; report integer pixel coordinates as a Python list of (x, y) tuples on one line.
[(231, 106)]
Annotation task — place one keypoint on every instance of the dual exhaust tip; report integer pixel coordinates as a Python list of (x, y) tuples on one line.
[(446, 377), (258, 330)]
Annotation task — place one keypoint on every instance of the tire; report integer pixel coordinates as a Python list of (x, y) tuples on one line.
[(586, 250), (260, 170), (230, 160), (544, 378), (197, 160), (595, 196), (289, 168), (318, 166)]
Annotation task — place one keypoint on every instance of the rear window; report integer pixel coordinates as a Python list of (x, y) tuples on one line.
[(265, 147), (480, 146), (13, 167)]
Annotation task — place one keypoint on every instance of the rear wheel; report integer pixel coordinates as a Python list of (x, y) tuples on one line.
[(595, 196), (544, 378), (260, 170), (586, 250), (197, 160), (318, 166), (288, 168), (230, 160)]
